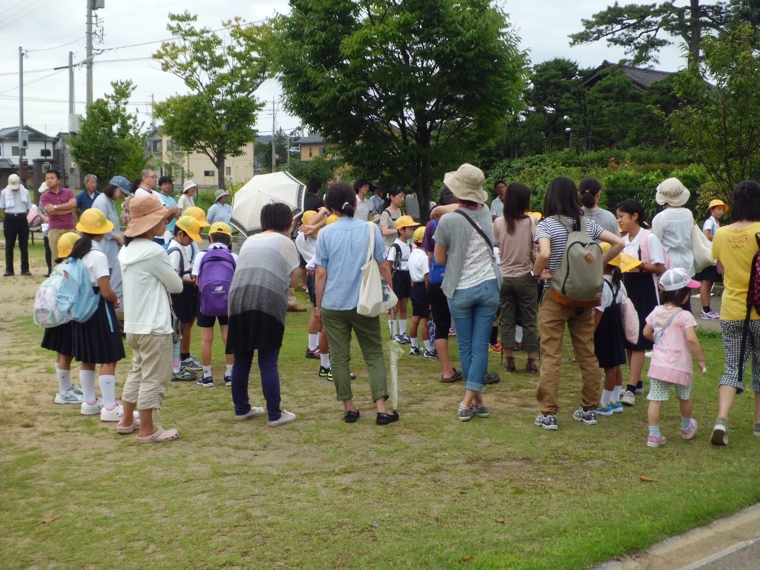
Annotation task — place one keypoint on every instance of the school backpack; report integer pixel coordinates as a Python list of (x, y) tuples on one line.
[(579, 278), (76, 296), (628, 315), (215, 272), (397, 259), (47, 312)]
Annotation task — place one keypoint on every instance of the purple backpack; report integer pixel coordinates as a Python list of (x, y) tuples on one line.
[(215, 278)]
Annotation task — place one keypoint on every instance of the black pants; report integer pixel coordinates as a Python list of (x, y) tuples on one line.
[(16, 226), (48, 256)]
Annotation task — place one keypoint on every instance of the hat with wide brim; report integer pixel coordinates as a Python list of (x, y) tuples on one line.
[(672, 192), (189, 185), (716, 203), (466, 182), (94, 222), (198, 214), (190, 226), (144, 213), (66, 244), (625, 262), (406, 222), (220, 194)]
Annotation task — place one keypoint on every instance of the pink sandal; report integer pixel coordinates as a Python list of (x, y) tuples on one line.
[(160, 436), (124, 430)]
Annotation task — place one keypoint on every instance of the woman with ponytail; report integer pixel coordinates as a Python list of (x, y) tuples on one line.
[(391, 212), (589, 190)]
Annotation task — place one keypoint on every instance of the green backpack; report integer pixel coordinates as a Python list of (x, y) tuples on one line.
[(579, 278)]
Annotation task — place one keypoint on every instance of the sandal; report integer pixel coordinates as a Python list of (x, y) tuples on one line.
[(351, 416), (128, 429), (385, 419), (455, 378), (160, 435)]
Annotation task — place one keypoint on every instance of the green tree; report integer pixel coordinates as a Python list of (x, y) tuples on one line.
[(217, 118), (405, 89), (109, 142), (720, 125)]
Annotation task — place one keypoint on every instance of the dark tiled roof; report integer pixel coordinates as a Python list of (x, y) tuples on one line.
[(11, 133), (640, 76)]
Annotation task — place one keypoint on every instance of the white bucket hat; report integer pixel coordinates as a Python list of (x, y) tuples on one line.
[(189, 185), (672, 192), (467, 183)]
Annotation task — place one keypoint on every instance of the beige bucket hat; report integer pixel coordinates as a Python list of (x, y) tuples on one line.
[(466, 182), (672, 192)]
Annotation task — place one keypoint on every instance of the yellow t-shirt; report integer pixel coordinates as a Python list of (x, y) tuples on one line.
[(735, 248)]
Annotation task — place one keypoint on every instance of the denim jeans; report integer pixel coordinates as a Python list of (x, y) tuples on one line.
[(270, 382), (473, 311)]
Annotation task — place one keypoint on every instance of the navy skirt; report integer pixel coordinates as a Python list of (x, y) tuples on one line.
[(58, 339), (98, 341)]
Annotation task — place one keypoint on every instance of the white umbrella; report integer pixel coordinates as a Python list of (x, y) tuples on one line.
[(261, 190)]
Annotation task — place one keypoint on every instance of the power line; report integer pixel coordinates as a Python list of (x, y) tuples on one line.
[(16, 17), (16, 4), (55, 47), (35, 81)]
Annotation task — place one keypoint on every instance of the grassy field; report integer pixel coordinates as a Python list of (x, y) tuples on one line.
[(427, 491)]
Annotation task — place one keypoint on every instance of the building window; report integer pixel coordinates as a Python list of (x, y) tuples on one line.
[(228, 171), (170, 145), (156, 145), (45, 152), (321, 150), (208, 173), (310, 151), (14, 151)]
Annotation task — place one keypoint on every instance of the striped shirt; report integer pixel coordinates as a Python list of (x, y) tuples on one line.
[(553, 229)]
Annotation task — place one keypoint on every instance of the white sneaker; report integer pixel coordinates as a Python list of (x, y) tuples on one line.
[(628, 398), (113, 415), (92, 409), (285, 418), (252, 413), (68, 397)]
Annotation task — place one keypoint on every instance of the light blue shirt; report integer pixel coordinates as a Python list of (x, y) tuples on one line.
[(342, 250), (169, 202), (219, 213)]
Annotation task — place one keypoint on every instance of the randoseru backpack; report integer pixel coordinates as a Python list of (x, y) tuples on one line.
[(579, 278), (753, 302), (47, 311), (397, 259), (75, 295), (215, 272)]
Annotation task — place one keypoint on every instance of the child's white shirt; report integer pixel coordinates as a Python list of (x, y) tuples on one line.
[(405, 252), (607, 299), (96, 263), (419, 265)]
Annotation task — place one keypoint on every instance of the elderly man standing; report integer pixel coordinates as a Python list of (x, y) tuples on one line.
[(15, 203), (58, 203), (87, 196)]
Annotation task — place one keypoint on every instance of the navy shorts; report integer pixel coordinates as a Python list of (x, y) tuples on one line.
[(312, 287), (208, 322), (402, 284), (420, 304)]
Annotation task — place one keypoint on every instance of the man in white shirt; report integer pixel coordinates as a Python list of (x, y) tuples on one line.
[(497, 206), (15, 203), (149, 180)]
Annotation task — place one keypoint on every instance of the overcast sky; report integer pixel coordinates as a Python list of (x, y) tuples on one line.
[(49, 29)]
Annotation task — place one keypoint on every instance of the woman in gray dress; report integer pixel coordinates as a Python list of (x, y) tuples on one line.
[(116, 189)]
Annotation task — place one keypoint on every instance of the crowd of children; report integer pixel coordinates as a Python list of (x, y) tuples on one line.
[(169, 287)]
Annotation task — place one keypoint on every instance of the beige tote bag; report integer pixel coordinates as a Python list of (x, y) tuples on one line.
[(375, 297)]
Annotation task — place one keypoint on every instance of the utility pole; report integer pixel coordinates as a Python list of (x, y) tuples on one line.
[(21, 132), (274, 161), (71, 87), (152, 114), (89, 51)]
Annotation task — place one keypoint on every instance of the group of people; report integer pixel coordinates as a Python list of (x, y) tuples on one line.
[(483, 268)]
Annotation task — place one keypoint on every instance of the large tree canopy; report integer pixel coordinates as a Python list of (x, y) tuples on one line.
[(643, 29), (405, 88), (109, 142), (217, 118)]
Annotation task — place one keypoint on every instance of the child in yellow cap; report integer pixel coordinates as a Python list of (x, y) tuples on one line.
[(398, 262), (419, 268), (182, 252), (211, 269), (709, 275), (98, 340)]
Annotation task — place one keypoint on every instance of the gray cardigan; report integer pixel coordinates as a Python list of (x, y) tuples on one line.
[(454, 233)]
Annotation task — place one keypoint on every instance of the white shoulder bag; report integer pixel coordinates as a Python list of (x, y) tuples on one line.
[(374, 295)]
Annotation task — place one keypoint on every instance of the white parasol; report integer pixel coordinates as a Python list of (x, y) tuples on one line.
[(261, 190)]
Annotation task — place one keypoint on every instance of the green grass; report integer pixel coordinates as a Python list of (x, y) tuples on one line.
[(425, 492)]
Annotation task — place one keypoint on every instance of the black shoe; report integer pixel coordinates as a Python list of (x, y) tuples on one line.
[(491, 378), (8, 274), (325, 372), (385, 419), (350, 417), (26, 273)]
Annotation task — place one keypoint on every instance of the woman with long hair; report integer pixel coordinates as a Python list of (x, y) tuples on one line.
[(513, 232), (641, 286), (341, 253), (391, 212), (551, 234), (734, 246)]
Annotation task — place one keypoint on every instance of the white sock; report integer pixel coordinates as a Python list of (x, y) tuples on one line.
[(606, 398), (325, 360), (207, 370), (428, 345), (108, 389), (87, 378), (518, 333), (616, 394), (415, 342), (394, 327), (64, 380), (319, 336), (228, 370), (402, 326), (313, 341)]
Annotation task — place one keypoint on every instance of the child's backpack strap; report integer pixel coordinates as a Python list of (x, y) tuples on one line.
[(397, 259), (658, 336)]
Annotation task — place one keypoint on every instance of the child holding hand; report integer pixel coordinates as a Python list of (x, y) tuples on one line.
[(673, 332)]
